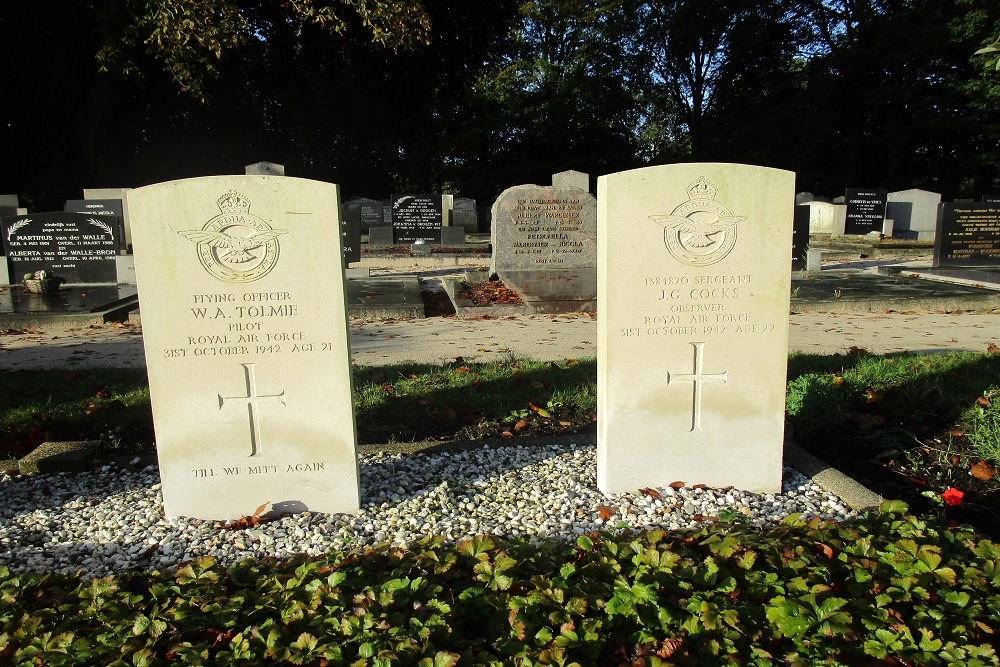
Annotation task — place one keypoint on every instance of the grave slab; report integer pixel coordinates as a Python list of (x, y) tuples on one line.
[(393, 296), (245, 334), (693, 325)]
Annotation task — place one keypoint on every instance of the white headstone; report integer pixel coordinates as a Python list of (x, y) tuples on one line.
[(241, 290), (914, 213), (820, 217), (693, 325), (571, 179), (447, 204)]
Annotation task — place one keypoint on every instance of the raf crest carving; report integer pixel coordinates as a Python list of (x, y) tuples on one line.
[(235, 246), (701, 231)]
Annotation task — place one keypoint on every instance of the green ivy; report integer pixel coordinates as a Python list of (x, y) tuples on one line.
[(888, 587)]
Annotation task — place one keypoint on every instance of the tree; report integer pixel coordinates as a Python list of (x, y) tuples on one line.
[(188, 37)]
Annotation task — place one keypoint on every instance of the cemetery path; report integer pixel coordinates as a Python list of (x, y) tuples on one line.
[(546, 337)]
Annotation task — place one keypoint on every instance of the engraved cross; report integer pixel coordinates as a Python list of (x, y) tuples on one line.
[(251, 400), (697, 378)]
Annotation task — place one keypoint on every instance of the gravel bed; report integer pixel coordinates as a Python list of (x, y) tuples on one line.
[(111, 520)]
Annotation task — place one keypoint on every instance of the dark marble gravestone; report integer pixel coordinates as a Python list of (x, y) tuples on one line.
[(968, 234), (800, 236), (76, 247), (865, 210), (109, 209), (416, 218)]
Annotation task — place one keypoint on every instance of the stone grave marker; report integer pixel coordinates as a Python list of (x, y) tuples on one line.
[(865, 210), (463, 214), (415, 218), (245, 332), (79, 248), (109, 209), (800, 236), (821, 217), (968, 234), (265, 169), (913, 212), (571, 179), (103, 194), (545, 246), (991, 199), (693, 326), (8, 205)]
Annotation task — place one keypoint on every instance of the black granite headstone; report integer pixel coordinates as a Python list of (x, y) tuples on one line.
[(991, 199), (107, 208), (350, 232), (416, 217), (800, 237), (76, 247), (865, 210), (968, 234)]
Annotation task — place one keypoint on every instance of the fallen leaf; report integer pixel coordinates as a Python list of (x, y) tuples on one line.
[(676, 485), (652, 493), (983, 402), (605, 512), (520, 425), (461, 370), (824, 550), (507, 434), (956, 433), (542, 412), (992, 349), (983, 470), (668, 647), (872, 396), (838, 380)]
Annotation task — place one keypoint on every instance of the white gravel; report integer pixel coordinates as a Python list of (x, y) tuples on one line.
[(111, 520)]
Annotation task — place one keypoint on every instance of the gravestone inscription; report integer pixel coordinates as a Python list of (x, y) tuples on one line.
[(540, 227), (416, 218), (76, 247), (109, 209), (245, 332), (968, 234), (693, 326), (865, 210)]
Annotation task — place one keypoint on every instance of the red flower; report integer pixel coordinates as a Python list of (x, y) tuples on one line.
[(952, 496)]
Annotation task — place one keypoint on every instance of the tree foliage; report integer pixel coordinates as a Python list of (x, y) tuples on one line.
[(446, 95)]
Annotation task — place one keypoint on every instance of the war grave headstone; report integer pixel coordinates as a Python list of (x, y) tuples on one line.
[(804, 197), (914, 213), (800, 236), (545, 246), (693, 326), (968, 234), (245, 334), (865, 210), (416, 218)]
